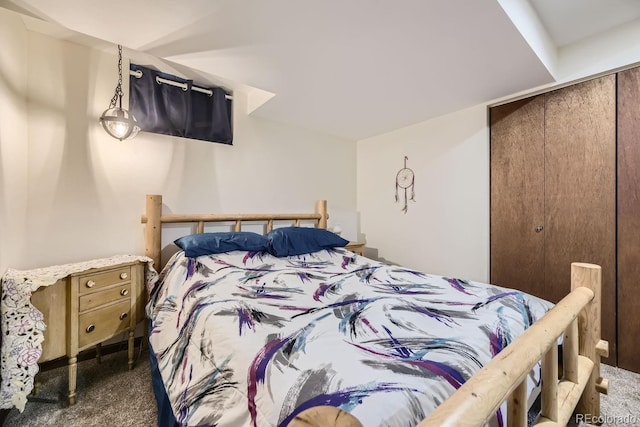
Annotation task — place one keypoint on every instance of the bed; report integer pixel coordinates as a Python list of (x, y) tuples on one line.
[(292, 333)]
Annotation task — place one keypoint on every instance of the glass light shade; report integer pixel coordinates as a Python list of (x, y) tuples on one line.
[(119, 123)]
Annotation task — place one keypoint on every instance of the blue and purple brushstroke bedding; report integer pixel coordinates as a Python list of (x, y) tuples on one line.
[(248, 339)]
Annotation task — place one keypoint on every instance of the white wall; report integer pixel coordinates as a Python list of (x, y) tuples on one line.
[(85, 191), (601, 53), (13, 139), (445, 230)]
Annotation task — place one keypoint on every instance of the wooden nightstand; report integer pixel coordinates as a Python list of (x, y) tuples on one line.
[(356, 247), (89, 307)]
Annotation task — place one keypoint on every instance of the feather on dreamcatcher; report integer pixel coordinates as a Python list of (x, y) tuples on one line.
[(405, 180)]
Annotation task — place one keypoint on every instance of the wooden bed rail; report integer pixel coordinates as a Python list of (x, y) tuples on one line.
[(153, 218), (504, 378)]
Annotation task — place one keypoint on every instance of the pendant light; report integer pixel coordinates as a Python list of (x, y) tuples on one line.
[(116, 121)]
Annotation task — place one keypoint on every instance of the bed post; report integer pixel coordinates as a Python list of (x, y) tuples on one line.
[(153, 229), (591, 346), (321, 208), (324, 416)]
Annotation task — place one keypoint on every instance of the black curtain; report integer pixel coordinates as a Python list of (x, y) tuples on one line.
[(170, 110)]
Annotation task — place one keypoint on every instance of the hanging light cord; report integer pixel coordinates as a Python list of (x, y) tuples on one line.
[(117, 96)]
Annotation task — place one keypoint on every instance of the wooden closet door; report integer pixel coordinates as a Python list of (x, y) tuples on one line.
[(517, 195), (580, 191), (629, 219)]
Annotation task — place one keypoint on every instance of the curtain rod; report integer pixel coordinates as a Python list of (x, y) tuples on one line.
[(137, 74)]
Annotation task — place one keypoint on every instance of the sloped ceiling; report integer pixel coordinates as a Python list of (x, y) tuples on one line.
[(352, 69)]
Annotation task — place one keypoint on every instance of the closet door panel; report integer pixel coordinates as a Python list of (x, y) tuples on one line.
[(580, 190), (517, 195), (629, 219)]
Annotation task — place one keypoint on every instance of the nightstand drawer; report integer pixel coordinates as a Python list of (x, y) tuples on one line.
[(95, 299), (92, 282), (97, 325)]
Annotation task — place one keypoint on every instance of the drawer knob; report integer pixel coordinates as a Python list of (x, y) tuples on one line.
[(90, 328), (123, 316), (124, 292), (90, 284), (123, 276)]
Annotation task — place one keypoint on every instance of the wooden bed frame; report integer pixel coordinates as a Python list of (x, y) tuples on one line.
[(576, 318)]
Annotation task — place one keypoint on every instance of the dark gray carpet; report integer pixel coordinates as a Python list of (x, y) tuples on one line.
[(111, 395), (108, 394), (622, 406)]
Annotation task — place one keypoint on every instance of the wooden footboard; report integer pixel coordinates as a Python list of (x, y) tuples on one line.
[(577, 316)]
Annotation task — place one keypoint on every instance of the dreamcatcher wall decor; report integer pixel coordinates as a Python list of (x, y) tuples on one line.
[(405, 180)]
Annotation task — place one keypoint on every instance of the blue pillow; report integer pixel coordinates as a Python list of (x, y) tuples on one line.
[(195, 245), (288, 241)]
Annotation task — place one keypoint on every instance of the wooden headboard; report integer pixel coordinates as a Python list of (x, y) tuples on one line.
[(153, 218)]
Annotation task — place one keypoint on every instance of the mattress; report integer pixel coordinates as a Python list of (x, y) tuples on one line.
[(249, 339)]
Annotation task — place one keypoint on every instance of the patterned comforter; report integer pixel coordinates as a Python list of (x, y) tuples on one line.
[(248, 339)]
